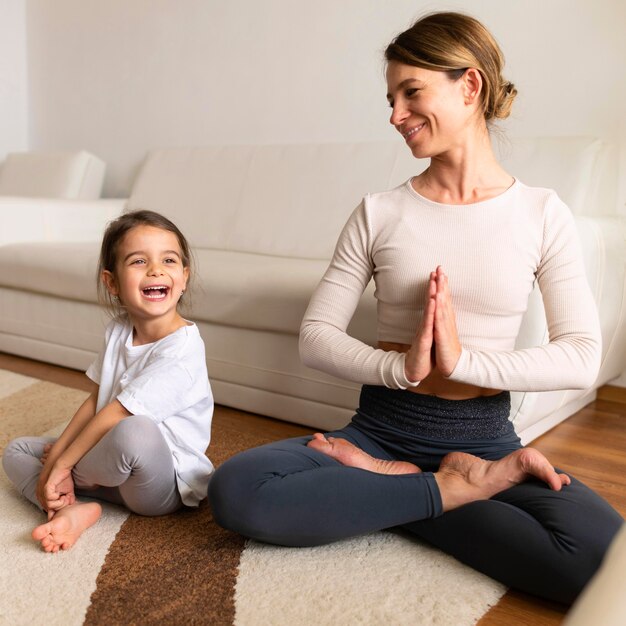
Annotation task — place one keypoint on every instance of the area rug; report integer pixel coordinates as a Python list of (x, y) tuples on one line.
[(184, 569)]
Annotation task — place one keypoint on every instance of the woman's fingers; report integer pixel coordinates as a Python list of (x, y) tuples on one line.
[(448, 346), (418, 361)]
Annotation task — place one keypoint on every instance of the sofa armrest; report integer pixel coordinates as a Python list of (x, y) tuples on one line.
[(46, 219), (68, 175)]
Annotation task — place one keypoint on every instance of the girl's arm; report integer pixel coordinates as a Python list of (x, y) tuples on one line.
[(99, 425), (55, 489), (85, 412)]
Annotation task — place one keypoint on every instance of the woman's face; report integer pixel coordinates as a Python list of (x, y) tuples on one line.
[(429, 109)]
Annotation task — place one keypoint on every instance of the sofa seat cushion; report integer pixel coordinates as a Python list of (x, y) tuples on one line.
[(238, 289), (253, 290), (66, 270)]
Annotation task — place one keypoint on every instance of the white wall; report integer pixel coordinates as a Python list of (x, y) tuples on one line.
[(13, 95), (119, 77)]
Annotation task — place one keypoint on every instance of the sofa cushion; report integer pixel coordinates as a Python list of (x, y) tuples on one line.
[(292, 200), (289, 200), (69, 175), (66, 270), (263, 292), (582, 170), (244, 290)]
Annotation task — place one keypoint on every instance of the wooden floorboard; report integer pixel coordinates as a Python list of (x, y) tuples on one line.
[(591, 445)]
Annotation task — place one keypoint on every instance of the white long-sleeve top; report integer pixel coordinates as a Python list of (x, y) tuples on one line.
[(492, 251)]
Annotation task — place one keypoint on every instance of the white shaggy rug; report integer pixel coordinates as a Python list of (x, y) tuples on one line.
[(382, 578)]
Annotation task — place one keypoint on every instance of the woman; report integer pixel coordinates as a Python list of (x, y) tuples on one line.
[(431, 447)]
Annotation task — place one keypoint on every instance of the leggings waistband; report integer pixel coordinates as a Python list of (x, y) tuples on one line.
[(485, 417)]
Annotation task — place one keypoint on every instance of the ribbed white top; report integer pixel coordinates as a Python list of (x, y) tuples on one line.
[(492, 252)]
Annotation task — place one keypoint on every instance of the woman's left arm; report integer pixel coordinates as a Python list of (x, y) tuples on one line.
[(571, 359)]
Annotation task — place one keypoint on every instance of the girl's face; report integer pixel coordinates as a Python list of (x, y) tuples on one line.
[(149, 276), (431, 111)]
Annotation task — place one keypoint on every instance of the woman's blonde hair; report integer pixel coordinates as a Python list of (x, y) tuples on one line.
[(113, 235), (452, 42)]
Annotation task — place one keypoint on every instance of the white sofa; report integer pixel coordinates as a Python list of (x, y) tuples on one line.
[(263, 221)]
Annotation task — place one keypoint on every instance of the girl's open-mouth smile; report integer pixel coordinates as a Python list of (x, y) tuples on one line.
[(155, 292)]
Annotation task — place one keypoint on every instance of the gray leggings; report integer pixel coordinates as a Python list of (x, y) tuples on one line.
[(528, 537), (131, 465)]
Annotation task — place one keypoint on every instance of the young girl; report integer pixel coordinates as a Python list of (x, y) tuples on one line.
[(140, 438)]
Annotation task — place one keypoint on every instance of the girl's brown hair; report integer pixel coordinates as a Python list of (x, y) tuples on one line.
[(452, 42), (113, 235)]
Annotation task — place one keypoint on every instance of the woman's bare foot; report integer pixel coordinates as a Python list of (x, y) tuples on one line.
[(66, 525), (351, 456), (464, 478)]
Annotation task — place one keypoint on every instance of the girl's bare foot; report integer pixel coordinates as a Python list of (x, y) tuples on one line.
[(464, 478), (46, 452), (65, 527), (351, 456)]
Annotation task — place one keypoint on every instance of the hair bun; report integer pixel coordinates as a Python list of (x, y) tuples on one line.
[(503, 100)]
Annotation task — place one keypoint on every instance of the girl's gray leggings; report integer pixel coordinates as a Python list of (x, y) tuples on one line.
[(131, 465), (528, 537)]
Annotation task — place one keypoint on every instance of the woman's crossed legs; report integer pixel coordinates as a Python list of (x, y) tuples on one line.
[(303, 492)]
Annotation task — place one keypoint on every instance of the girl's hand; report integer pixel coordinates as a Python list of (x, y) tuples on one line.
[(419, 360), (58, 490), (446, 337)]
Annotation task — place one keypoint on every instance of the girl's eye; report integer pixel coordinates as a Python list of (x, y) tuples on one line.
[(137, 262), (170, 260)]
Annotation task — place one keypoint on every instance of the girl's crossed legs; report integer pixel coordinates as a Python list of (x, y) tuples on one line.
[(131, 465)]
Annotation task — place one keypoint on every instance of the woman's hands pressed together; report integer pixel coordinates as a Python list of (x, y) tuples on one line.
[(436, 344)]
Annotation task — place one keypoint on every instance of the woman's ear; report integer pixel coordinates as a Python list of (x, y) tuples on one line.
[(472, 85), (109, 282)]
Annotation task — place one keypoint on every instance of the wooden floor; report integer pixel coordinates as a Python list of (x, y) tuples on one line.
[(591, 444)]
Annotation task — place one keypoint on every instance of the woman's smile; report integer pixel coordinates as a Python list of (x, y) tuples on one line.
[(412, 131)]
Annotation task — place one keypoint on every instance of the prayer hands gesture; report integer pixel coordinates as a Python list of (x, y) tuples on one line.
[(436, 344)]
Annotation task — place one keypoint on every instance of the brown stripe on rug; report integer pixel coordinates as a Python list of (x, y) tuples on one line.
[(36, 409), (176, 569)]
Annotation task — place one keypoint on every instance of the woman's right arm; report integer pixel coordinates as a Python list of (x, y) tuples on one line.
[(324, 343)]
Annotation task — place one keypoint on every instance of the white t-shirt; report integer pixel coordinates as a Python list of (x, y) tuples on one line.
[(167, 381)]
